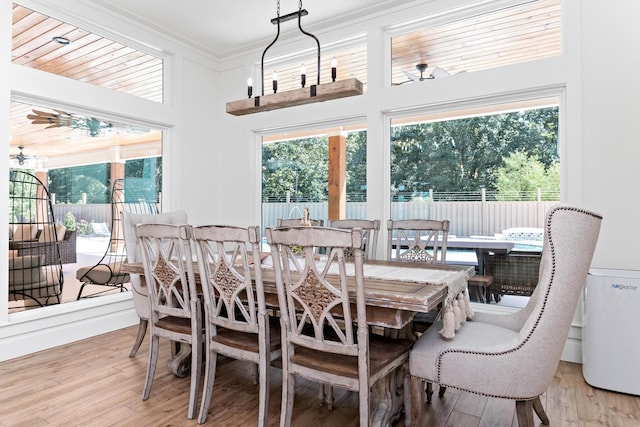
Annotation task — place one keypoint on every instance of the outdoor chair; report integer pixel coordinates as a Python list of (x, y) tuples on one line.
[(236, 321), (108, 270), (525, 346), (323, 339), (35, 263), (175, 307)]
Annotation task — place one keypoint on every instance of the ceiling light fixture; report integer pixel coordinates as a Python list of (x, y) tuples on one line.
[(61, 40), (305, 95)]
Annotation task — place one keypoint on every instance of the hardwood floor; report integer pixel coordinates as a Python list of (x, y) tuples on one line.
[(94, 383)]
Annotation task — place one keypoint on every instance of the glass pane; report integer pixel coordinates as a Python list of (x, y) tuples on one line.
[(508, 36), (47, 44), (351, 62), (493, 174), (295, 174)]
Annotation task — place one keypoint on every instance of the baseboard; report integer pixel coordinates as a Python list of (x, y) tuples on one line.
[(36, 330)]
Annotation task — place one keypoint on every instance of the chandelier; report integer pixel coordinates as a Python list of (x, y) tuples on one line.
[(305, 95)]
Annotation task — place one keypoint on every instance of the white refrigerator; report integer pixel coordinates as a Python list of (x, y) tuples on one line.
[(611, 330)]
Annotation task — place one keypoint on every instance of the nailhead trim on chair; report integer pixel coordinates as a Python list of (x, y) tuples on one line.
[(553, 271)]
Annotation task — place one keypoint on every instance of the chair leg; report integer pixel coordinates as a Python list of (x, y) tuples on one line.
[(524, 412), (207, 388), (288, 392), (151, 367), (142, 331), (417, 401), (537, 406), (441, 391), (80, 292), (429, 392)]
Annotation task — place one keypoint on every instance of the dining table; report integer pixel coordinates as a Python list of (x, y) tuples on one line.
[(394, 293)]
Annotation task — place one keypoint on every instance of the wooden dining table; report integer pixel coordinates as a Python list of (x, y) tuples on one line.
[(394, 293)]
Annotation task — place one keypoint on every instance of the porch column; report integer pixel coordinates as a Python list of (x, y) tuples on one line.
[(337, 176), (42, 208), (117, 234)]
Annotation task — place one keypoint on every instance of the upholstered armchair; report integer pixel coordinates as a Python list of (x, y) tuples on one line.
[(524, 348), (140, 297)]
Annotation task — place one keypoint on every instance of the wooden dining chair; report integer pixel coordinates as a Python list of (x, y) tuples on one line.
[(370, 229), (175, 307), (525, 346), (297, 222), (236, 321), (323, 339), (417, 240)]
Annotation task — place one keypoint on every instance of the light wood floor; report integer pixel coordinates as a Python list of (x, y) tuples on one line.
[(94, 383)]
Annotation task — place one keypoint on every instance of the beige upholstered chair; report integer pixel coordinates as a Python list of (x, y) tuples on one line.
[(417, 240), (370, 229), (323, 340), (236, 319), (175, 307), (524, 348), (140, 298)]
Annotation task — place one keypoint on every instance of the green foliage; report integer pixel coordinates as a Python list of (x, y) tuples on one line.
[(70, 221), (465, 154), (522, 175)]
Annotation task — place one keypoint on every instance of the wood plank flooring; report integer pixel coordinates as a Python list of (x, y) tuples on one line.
[(94, 383)]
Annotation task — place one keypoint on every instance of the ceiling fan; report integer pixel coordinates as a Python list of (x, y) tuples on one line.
[(22, 158), (436, 73), (92, 126)]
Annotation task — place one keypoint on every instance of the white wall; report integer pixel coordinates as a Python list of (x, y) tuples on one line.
[(212, 167)]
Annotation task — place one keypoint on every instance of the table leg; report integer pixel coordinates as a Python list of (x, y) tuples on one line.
[(180, 364)]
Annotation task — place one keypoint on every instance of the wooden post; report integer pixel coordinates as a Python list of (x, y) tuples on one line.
[(337, 177), (117, 235)]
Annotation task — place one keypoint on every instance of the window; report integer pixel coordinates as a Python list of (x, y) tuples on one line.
[(492, 172), (477, 41), (295, 174)]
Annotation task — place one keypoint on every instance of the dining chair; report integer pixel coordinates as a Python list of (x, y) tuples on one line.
[(297, 222), (370, 229), (237, 324), (417, 240), (525, 346), (130, 219), (175, 312), (323, 339)]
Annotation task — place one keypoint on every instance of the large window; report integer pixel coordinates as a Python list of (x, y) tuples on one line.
[(492, 173), (296, 171)]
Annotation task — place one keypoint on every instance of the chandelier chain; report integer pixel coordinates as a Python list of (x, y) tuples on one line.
[(278, 9)]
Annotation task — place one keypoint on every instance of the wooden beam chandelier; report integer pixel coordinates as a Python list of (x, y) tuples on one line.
[(304, 95)]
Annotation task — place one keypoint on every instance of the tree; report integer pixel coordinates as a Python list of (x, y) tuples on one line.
[(465, 154), (522, 175)]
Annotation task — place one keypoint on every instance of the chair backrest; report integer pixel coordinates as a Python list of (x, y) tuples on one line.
[(316, 310), (168, 269), (225, 256), (570, 239), (116, 253), (370, 229), (297, 222), (35, 262), (417, 240)]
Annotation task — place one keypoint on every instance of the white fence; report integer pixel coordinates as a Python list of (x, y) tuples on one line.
[(467, 218)]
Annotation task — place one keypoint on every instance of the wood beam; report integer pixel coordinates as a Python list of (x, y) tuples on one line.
[(337, 177)]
